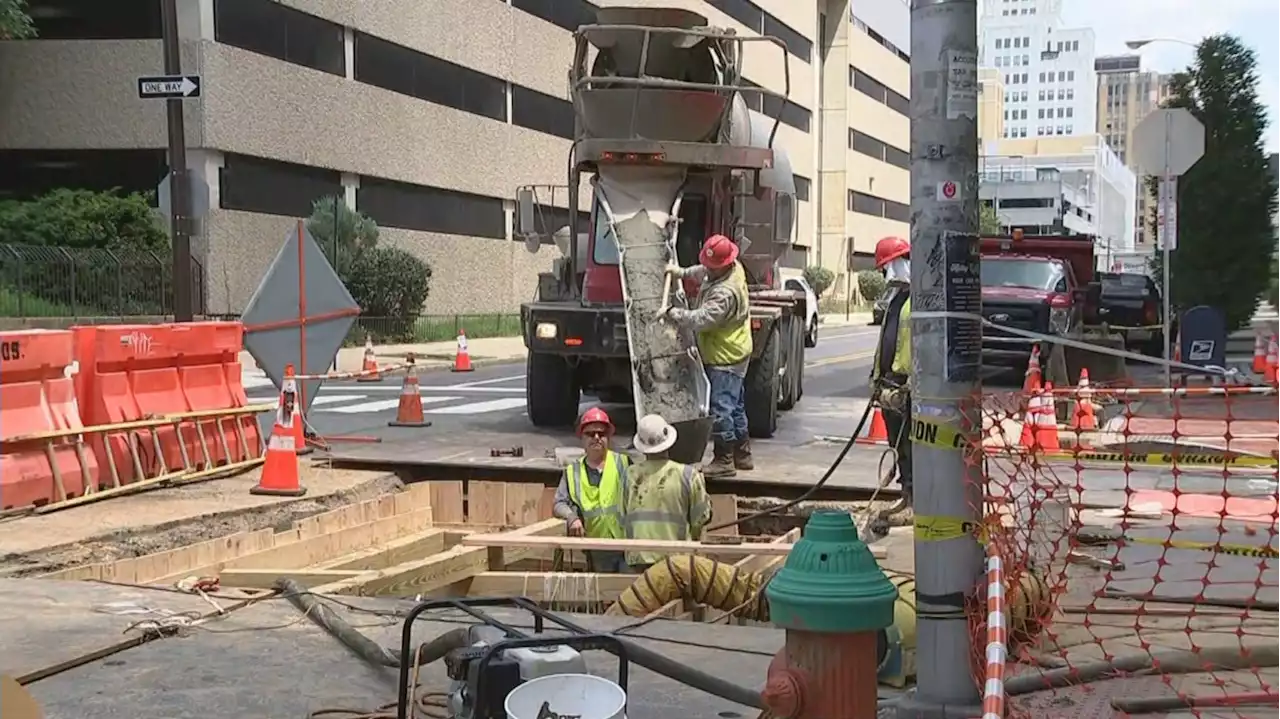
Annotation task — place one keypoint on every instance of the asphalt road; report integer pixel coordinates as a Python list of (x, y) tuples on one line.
[(492, 398)]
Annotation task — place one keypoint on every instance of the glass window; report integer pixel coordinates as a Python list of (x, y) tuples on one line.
[(431, 209), (279, 31), (544, 113), (1031, 274), (568, 14), (252, 184)]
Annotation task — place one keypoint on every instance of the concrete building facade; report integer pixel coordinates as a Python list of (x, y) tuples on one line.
[(1047, 68), (991, 92), (426, 115)]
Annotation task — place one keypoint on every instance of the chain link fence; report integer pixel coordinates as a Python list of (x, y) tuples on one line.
[(85, 282)]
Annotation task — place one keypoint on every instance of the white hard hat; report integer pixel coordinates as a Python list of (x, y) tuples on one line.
[(653, 434)]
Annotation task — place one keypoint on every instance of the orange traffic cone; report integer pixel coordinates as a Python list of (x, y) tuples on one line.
[(1040, 426), (293, 411), (1085, 417), (280, 466), (879, 432), (409, 412), (1260, 345), (462, 360), (1273, 358), (1032, 378), (369, 367)]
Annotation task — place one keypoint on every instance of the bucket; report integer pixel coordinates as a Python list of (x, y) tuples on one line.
[(581, 696)]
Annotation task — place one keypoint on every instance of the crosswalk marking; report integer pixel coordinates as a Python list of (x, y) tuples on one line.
[(493, 405), (385, 404), (447, 388), (336, 398)]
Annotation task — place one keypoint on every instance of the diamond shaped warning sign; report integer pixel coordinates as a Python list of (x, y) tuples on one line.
[(299, 314)]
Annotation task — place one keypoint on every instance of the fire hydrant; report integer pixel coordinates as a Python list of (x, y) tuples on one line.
[(832, 599)]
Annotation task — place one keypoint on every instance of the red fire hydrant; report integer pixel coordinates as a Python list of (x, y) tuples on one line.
[(832, 599)]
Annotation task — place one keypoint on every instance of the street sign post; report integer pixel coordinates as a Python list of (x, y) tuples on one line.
[(1167, 143), (169, 87)]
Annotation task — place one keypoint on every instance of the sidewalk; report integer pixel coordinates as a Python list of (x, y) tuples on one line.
[(428, 355)]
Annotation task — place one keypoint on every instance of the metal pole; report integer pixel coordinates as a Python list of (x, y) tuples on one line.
[(1165, 290), (946, 350), (848, 276), (179, 187)]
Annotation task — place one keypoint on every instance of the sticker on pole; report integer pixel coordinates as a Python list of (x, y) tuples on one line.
[(948, 191), (962, 84)]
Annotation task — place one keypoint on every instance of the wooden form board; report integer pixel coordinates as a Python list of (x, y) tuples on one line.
[(774, 549)]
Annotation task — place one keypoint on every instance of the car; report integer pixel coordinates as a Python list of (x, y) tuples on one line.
[(1131, 302), (811, 309)]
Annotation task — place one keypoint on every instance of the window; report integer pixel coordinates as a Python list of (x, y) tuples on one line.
[(1041, 112), (796, 43), (865, 144), (568, 14), (29, 173), (1070, 129), (1071, 94), (744, 11), (1017, 60), (1042, 77), (1075, 46), (276, 30), (865, 204), (431, 209), (1025, 203), (1006, 114), (1026, 41), (408, 72), (1062, 76), (1061, 112), (96, 20), (1024, 79), (1071, 75), (802, 188), (1026, 59), (786, 110), (271, 187), (544, 113), (1023, 95), (878, 91), (1042, 95), (999, 62), (1058, 130), (1070, 111), (547, 220)]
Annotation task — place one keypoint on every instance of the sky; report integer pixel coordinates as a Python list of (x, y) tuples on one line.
[(1256, 22)]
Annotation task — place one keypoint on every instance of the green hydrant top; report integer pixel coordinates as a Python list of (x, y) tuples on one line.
[(830, 582)]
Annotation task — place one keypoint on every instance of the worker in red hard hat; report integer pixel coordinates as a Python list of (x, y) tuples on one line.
[(592, 491), (722, 321), (891, 364)]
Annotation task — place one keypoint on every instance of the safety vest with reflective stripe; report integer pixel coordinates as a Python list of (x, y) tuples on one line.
[(601, 505), (665, 500), (730, 343)]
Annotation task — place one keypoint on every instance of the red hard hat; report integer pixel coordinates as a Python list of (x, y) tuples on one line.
[(718, 252), (889, 249), (595, 415)]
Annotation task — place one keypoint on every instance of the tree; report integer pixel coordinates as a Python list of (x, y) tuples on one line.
[(1226, 200), (819, 278), (356, 233), (989, 221), (870, 285), (15, 23), (84, 219)]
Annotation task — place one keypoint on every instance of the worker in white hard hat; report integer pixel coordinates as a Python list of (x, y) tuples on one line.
[(666, 500)]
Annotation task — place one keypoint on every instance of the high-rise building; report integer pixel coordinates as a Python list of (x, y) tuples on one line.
[(990, 105), (1047, 68), (1126, 94)]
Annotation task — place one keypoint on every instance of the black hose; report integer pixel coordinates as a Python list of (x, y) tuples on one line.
[(363, 646), (689, 676)]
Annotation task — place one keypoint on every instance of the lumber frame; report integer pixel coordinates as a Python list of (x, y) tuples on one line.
[(509, 541), (266, 578)]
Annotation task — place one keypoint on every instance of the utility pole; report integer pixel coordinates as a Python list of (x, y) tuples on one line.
[(946, 299), (179, 178)]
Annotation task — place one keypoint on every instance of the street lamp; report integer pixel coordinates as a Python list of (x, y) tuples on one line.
[(1138, 44)]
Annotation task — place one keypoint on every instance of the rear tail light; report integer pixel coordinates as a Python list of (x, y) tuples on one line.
[(1149, 313), (633, 158), (1059, 301)]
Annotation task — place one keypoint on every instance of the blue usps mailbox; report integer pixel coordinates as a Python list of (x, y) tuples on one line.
[(1203, 337)]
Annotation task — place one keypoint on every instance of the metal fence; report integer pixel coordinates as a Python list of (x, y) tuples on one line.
[(47, 281)]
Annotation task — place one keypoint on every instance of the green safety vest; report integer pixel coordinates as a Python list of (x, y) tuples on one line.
[(900, 325), (601, 505), (730, 343), (664, 502)]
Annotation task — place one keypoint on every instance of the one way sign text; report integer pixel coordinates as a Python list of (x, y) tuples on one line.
[(169, 87)]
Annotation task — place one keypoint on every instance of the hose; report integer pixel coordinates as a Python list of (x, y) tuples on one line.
[(700, 579)]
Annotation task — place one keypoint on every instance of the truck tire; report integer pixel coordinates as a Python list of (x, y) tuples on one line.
[(551, 390), (793, 361), (761, 389)]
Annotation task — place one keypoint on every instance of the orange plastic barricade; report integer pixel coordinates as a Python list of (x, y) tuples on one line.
[(208, 360), (37, 397)]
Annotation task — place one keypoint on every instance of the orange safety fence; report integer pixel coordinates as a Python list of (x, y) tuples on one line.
[(1152, 529), (98, 411)]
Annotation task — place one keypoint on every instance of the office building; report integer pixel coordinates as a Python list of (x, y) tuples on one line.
[(1126, 94), (1047, 68), (1068, 185), (426, 115), (991, 93)]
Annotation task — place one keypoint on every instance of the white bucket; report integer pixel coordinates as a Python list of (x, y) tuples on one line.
[(574, 695)]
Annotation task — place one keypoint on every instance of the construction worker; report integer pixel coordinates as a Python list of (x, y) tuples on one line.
[(592, 490), (665, 499), (722, 320), (891, 364)]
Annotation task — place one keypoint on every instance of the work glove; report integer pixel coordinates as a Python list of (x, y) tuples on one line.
[(673, 270)]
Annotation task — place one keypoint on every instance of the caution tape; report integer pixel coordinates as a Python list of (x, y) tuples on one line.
[(1239, 550), (936, 434), (942, 529), (1167, 459)]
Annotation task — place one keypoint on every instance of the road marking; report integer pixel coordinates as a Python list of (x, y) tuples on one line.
[(495, 380), (493, 405), (336, 398), (447, 388), (250, 381), (866, 333), (839, 359), (383, 404)]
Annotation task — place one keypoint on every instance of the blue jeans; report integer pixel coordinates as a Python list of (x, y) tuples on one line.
[(728, 406)]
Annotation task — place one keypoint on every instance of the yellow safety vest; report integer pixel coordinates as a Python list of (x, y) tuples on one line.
[(901, 363), (730, 343), (664, 501), (601, 505)]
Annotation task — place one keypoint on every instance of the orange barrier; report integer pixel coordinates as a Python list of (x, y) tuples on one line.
[(36, 396)]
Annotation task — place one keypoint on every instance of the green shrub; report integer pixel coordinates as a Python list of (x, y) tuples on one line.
[(390, 283), (84, 219), (871, 285), (819, 278)]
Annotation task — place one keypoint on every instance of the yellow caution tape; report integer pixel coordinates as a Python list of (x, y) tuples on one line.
[(1169, 459), (941, 529), (936, 434), (1239, 550)]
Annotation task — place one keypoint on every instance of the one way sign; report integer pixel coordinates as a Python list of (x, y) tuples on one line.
[(169, 87)]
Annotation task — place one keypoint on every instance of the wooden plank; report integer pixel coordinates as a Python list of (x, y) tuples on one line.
[(622, 545), (547, 502), (760, 562), (389, 554), (487, 502), (147, 568), (266, 578), (551, 586), (306, 552), (523, 502), (446, 500), (435, 572), (724, 508)]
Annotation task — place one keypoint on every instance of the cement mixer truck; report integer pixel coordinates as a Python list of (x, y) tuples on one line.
[(667, 152)]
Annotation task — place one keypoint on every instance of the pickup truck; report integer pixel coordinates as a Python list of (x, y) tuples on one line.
[(1131, 300)]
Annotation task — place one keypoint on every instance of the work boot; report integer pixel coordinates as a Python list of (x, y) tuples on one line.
[(742, 455), (721, 464)]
